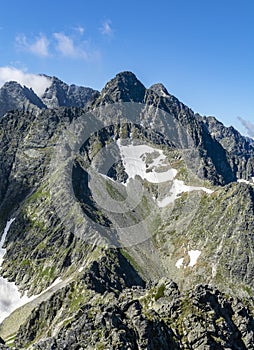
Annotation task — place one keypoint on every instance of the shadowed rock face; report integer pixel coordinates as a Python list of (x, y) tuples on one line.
[(142, 296), (240, 148)]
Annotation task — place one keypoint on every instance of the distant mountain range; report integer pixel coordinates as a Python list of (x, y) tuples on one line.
[(134, 221)]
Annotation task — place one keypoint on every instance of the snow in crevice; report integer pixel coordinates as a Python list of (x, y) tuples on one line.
[(55, 283), (3, 238)]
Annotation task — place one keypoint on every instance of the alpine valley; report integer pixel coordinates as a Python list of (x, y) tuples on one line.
[(126, 221)]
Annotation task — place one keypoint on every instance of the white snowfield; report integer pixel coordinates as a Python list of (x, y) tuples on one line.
[(177, 188), (10, 297), (193, 255), (135, 160)]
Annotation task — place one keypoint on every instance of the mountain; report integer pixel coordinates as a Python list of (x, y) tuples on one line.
[(60, 94), (13, 96), (240, 148), (133, 223)]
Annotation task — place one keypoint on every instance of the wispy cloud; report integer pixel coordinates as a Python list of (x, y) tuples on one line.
[(248, 126), (59, 43), (80, 30), (38, 83), (106, 28), (66, 46), (39, 47)]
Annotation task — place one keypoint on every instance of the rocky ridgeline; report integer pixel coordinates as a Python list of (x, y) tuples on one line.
[(158, 317), (138, 296), (240, 148), (14, 96)]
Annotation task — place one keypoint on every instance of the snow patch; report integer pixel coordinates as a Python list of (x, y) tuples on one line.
[(149, 162), (246, 181), (194, 255), (3, 238), (177, 188), (179, 263), (55, 283), (135, 161)]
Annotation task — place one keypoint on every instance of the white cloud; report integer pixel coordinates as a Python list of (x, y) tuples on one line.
[(106, 28), (39, 47), (37, 82), (67, 47), (248, 126), (80, 30), (59, 43)]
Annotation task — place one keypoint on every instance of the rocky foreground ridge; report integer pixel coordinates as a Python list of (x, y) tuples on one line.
[(173, 271)]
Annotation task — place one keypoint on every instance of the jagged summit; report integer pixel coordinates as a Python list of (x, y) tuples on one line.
[(124, 87), (14, 96), (60, 94), (160, 89)]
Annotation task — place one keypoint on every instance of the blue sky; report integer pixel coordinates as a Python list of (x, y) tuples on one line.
[(202, 51)]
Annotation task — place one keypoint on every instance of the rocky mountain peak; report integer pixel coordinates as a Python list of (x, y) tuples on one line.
[(11, 85), (160, 89), (124, 87), (15, 96), (62, 94)]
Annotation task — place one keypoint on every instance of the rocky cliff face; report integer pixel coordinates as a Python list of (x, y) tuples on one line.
[(60, 94), (239, 148), (133, 202)]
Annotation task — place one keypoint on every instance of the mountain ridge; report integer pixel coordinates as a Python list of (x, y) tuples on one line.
[(153, 293), (14, 96)]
